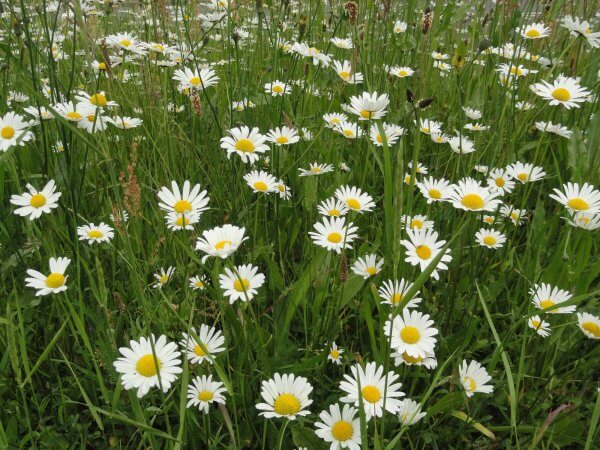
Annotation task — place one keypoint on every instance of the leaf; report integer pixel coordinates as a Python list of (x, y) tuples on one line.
[(462, 416), (306, 437)]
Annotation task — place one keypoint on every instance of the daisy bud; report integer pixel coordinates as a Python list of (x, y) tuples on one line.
[(410, 97)]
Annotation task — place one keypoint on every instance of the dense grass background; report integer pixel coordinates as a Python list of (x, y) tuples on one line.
[(58, 386)]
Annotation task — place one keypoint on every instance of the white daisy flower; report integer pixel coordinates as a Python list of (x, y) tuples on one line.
[(186, 201), (589, 325), (410, 412), (393, 291), (435, 190), (429, 361), (422, 247), (340, 427), (474, 378), (220, 241), (500, 181), (334, 119), (35, 203), (546, 296), (183, 221), (565, 91), (285, 396), (247, 144), (554, 128), (354, 198), (345, 72), (490, 238), (369, 106), (578, 198), (334, 234), (52, 283), (367, 266), (585, 220), (241, 283), (95, 234), (316, 168), (468, 194), (203, 391), (203, 348), (416, 222), (335, 354), (540, 326), (278, 88), (411, 333), (534, 31), (14, 131), (197, 282), (283, 136), (163, 277), (261, 181), (194, 80)]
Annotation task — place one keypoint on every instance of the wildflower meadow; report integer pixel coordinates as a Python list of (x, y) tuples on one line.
[(299, 224)]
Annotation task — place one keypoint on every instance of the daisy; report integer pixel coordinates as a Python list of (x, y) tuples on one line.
[(92, 123), (340, 427), (435, 190), (515, 71), (334, 234), (565, 91), (285, 396), (461, 145), (260, 181), (429, 361), (318, 57), (393, 292), (578, 198), (472, 113), (344, 71), (194, 80), (148, 363), (283, 136), (203, 391), (52, 283), (334, 119), (578, 27), (474, 377), (428, 126), (97, 100), (184, 221), (163, 277), (241, 283), (283, 190), (416, 222), (220, 241), (367, 266), (126, 123), (438, 56), (349, 130), (246, 143), (412, 333), (401, 72), (534, 31), (500, 181), (392, 134), (525, 172), (589, 325), (546, 296), (198, 282), (585, 220), (554, 128), (376, 389), (38, 113), (204, 348), (343, 43), (409, 412), (75, 112), (186, 201), (399, 26), (422, 247), (278, 88), (126, 41), (524, 106), (355, 198), (95, 234), (468, 194), (476, 127), (369, 106), (516, 216), (13, 131), (490, 238), (35, 203), (316, 169), (332, 208), (541, 327), (335, 354)]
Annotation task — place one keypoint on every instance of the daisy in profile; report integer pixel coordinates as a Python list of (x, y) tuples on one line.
[(316, 168), (54, 282), (554, 128), (354, 198), (95, 234), (349, 130), (75, 112), (546, 296), (422, 247), (283, 190), (247, 144), (473, 114), (193, 80), (391, 133), (241, 283), (261, 181), (283, 136), (393, 292), (474, 378), (435, 190), (344, 43), (534, 31), (500, 181), (14, 130), (277, 88), (411, 333), (429, 361), (516, 216), (589, 325), (410, 412), (209, 342), (401, 72), (461, 144), (525, 172), (540, 326), (285, 396), (220, 241), (334, 234), (367, 266), (476, 127), (198, 282), (584, 220), (185, 201), (400, 27), (369, 106), (148, 363), (318, 57), (468, 194), (578, 27), (416, 222), (565, 91), (203, 391), (35, 203), (340, 427), (163, 277), (344, 70), (332, 207), (184, 221), (490, 238), (428, 126), (376, 388), (334, 119), (97, 100), (578, 198), (335, 354), (126, 123)]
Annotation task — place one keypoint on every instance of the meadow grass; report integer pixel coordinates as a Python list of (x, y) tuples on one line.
[(59, 387)]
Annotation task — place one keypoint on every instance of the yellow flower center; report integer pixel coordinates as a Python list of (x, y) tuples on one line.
[(335, 121), (101, 66), (592, 328), (205, 396), (348, 133), (195, 81), (533, 33), (182, 206), (561, 94), (434, 193), (199, 284), (523, 176), (353, 203), (147, 366), (500, 182), (286, 405), (469, 384), (344, 75), (261, 186), (7, 132), (221, 244), (334, 212), (55, 280), (416, 223), (516, 71), (241, 285), (199, 351), (578, 204), (74, 115), (411, 359), (489, 240), (245, 145), (335, 354), (125, 42), (371, 394), (282, 140), (547, 303), (403, 73), (472, 201), (37, 200), (277, 89), (334, 237), (410, 334), (98, 99), (182, 221), (396, 298), (163, 279), (535, 323), (365, 113), (423, 252), (371, 270), (95, 234), (342, 430)]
